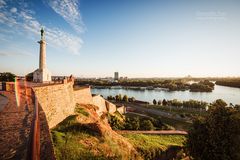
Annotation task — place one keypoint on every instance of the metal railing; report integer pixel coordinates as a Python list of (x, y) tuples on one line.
[(34, 145)]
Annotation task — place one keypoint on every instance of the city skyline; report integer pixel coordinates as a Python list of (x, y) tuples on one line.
[(135, 38)]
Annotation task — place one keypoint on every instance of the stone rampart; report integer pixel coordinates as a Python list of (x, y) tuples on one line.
[(57, 101), (101, 103), (83, 95)]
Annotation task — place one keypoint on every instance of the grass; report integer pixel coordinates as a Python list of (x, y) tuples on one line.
[(153, 146), (168, 122), (75, 141), (81, 111), (67, 146)]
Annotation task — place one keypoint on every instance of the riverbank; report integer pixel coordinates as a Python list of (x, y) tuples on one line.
[(228, 94)]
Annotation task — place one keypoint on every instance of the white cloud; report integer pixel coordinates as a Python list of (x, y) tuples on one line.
[(2, 3), (22, 19), (69, 10), (15, 54), (13, 10)]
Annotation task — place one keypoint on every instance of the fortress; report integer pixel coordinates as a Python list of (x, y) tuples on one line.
[(59, 100), (39, 106)]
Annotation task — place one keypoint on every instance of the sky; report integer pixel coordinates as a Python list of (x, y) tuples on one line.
[(137, 38)]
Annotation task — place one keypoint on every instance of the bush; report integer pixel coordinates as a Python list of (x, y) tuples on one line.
[(115, 122), (146, 125), (132, 123), (216, 136)]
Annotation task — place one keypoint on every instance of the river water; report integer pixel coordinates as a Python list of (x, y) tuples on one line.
[(228, 94)]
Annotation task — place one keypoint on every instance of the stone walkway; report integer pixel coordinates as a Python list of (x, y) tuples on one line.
[(15, 125), (3, 102)]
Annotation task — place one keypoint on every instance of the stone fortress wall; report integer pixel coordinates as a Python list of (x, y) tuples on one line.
[(83, 95), (59, 100)]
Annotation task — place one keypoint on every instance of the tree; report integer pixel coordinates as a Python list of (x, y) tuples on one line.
[(29, 76), (120, 97), (159, 102), (7, 77), (216, 136), (164, 102), (147, 125), (115, 123), (154, 102), (125, 98), (132, 123), (132, 99), (220, 102)]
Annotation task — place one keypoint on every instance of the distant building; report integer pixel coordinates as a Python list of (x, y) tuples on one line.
[(116, 76)]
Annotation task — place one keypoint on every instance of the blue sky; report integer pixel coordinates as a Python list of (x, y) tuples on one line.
[(137, 38)]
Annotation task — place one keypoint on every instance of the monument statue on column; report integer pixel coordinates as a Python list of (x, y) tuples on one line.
[(42, 74)]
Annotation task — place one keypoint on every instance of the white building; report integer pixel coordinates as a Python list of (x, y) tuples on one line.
[(42, 74)]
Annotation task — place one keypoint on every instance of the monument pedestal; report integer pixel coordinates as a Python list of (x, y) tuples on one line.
[(42, 76)]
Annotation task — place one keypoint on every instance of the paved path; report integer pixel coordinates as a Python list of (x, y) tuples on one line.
[(15, 125), (3, 102), (161, 132)]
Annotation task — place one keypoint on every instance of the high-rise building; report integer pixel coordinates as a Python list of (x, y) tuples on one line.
[(116, 76)]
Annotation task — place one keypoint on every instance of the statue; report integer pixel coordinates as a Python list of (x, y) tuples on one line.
[(42, 33)]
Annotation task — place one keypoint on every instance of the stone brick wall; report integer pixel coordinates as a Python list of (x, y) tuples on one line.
[(121, 109), (57, 101), (100, 102), (110, 107), (83, 95)]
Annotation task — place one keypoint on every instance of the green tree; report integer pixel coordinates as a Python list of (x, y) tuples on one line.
[(154, 102), (7, 77), (220, 102), (164, 102), (159, 102), (217, 135), (132, 123), (115, 122), (120, 97), (29, 76), (125, 98), (146, 125)]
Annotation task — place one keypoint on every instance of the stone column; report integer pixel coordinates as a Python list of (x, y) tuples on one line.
[(42, 55)]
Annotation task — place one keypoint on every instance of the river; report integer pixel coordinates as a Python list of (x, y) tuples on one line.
[(228, 94)]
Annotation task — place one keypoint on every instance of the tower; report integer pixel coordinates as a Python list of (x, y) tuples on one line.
[(116, 76), (42, 74)]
